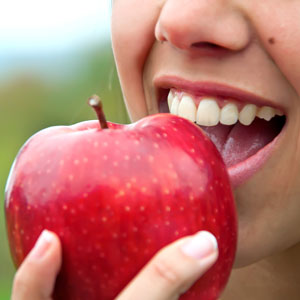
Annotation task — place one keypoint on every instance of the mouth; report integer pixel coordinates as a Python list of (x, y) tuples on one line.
[(244, 128)]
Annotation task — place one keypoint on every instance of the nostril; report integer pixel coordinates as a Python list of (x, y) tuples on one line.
[(206, 45)]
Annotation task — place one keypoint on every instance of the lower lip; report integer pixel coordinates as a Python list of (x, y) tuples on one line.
[(242, 171)]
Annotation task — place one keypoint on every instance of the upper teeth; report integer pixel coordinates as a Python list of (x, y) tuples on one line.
[(247, 114), (229, 114), (209, 113), (187, 108)]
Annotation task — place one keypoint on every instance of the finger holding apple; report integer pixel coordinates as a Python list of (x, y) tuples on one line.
[(174, 269), (168, 275), (117, 194), (36, 276)]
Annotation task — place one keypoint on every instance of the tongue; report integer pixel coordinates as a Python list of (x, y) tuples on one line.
[(238, 142)]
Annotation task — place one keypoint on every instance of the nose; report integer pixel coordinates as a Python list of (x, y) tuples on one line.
[(202, 24)]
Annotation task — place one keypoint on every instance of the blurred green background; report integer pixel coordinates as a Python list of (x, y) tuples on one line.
[(48, 85)]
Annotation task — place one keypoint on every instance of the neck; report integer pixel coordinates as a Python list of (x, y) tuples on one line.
[(276, 277)]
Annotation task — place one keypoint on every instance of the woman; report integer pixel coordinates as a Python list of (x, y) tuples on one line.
[(238, 52)]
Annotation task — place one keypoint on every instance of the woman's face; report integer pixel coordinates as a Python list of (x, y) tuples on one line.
[(236, 52)]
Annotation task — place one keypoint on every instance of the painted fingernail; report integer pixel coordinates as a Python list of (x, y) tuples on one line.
[(42, 245), (201, 245)]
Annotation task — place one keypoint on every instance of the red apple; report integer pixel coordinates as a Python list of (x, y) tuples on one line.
[(115, 196)]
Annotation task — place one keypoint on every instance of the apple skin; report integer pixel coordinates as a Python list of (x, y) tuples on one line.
[(116, 196)]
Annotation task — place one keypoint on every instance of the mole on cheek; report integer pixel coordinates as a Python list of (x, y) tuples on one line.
[(271, 41)]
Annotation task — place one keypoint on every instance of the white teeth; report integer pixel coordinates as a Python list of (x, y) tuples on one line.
[(170, 99), (174, 107), (229, 114), (187, 108), (279, 112), (208, 113), (266, 112), (247, 114)]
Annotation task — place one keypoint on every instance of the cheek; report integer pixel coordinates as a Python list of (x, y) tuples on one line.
[(280, 29), (133, 23), (278, 25), (268, 205)]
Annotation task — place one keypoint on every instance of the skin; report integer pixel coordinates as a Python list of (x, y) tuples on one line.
[(259, 41), (255, 49)]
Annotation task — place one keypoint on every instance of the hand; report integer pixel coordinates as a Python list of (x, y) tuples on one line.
[(170, 273), (36, 276), (174, 269)]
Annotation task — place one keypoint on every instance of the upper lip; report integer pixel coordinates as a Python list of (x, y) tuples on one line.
[(207, 88)]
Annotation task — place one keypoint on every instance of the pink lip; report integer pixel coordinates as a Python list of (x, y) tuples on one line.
[(244, 170), (212, 89)]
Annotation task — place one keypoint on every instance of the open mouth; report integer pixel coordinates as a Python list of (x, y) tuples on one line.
[(245, 132)]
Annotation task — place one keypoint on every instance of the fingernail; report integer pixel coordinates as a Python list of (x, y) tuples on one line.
[(201, 245), (42, 245)]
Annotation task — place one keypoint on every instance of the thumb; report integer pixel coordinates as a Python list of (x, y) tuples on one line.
[(174, 269), (36, 276)]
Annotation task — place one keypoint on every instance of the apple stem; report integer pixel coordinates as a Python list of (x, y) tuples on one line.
[(96, 103)]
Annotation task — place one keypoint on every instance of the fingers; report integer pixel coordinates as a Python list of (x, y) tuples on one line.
[(174, 269), (36, 276)]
